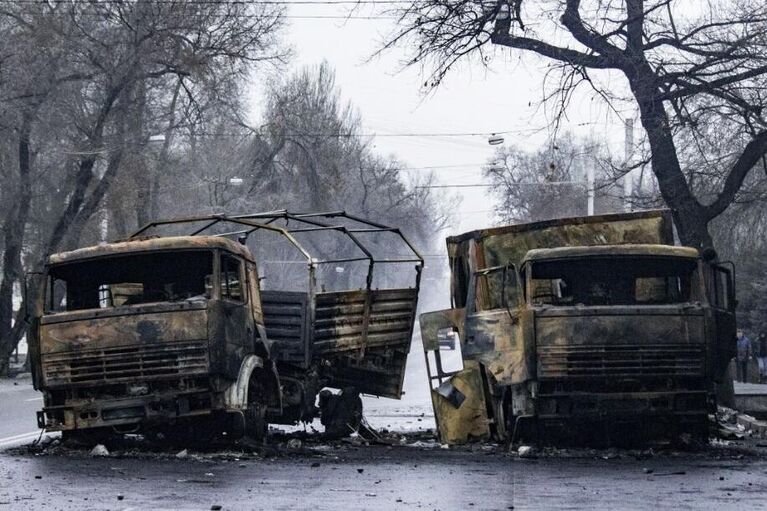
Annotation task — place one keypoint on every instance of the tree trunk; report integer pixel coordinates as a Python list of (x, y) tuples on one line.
[(95, 198), (162, 164), (13, 240), (689, 215)]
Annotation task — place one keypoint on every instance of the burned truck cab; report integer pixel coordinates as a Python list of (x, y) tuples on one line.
[(148, 330), (620, 332), (591, 329), (181, 327)]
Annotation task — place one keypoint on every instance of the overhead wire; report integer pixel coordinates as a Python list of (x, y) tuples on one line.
[(364, 135), (306, 3), (211, 2)]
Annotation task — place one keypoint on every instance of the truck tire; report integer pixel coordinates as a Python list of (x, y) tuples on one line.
[(256, 426)]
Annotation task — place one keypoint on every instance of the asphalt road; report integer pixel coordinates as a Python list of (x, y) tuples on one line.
[(378, 477), (418, 475), (18, 404)]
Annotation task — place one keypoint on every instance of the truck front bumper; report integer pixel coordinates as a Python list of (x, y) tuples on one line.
[(151, 408), (606, 405)]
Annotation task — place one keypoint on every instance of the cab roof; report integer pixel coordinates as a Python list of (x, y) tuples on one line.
[(144, 245), (540, 254)]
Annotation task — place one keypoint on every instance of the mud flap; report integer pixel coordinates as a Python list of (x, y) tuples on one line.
[(459, 407)]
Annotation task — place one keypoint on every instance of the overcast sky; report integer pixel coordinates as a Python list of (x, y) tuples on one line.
[(473, 99)]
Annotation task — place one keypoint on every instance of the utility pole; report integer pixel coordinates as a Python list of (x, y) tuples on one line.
[(590, 190), (104, 226), (627, 182)]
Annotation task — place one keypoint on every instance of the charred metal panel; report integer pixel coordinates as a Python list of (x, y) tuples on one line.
[(285, 315), (503, 245), (230, 335), (460, 409), (339, 321), (612, 343), (381, 368), (122, 348), (126, 364), (77, 331), (392, 312), (512, 247), (432, 322), (380, 372), (152, 244), (500, 340)]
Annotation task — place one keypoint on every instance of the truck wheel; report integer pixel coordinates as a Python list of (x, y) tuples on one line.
[(256, 426)]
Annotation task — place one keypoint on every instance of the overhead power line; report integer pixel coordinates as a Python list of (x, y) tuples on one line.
[(213, 2), (478, 185), (365, 135), (246, 16), (456, 186)]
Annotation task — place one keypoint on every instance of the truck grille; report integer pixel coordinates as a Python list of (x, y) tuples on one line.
[(593, 361), (130, 363)]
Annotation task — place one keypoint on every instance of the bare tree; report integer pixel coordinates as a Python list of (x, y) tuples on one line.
[(687, 66), (82, 82), (552, 181)]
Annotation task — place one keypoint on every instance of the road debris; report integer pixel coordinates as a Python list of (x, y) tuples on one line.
[(99, 450)]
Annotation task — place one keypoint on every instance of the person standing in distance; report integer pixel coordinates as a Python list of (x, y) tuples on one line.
[(744, 353)]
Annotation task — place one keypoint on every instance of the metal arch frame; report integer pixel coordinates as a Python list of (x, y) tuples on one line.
[(310, 222)]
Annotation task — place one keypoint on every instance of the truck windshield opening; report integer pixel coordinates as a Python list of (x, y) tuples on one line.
[(130, 280), (612, 281)]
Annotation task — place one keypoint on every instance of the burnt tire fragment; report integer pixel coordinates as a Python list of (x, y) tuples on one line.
[(341, 414)]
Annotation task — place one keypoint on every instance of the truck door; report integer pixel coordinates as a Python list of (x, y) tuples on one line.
[(462, 397), (456, 389), (238, 319), (722, 298)]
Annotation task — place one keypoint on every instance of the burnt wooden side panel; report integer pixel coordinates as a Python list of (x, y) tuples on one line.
[(339, 321), (391, 317), (381, 369)]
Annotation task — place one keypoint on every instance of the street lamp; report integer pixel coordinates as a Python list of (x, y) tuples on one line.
[(495, 139)]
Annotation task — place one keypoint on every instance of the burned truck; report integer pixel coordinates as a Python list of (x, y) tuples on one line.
[(216, 326), (594, 329)]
